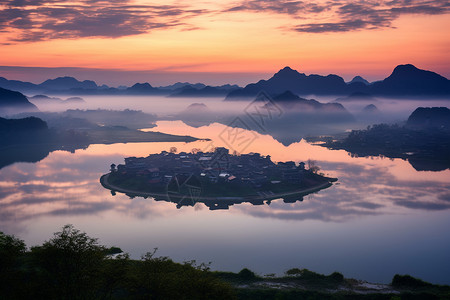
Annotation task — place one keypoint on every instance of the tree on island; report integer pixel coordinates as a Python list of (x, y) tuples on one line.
[(312, 167), (173, 150), (195, 150)]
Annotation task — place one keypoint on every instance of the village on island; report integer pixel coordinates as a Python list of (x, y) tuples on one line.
[(217, 178)]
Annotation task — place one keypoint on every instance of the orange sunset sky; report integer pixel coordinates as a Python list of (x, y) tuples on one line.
[(216, 42)]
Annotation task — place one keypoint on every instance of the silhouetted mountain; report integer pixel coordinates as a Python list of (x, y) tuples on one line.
[(294, 103), (142, 89), (196, 115), (370, 109), (356, 97), (180, 85), (287, 96), (429, 118), (407, 80), (39, 99), (207, 91), (367, 115), (359, 79), (299, 83), (43, 100), (67, 83), (14, 102), (22, 86), (97, 91), (288, 118)]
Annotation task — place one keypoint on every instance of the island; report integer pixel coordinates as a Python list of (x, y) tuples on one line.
[(218, 179)]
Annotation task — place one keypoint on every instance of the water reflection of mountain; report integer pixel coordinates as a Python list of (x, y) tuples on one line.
[(13, 154), (286, 117), (217, 179)]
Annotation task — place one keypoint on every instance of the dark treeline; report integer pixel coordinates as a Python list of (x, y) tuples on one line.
[(72, 265)]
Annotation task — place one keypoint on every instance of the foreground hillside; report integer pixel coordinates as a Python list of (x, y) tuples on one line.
[(72, 265)]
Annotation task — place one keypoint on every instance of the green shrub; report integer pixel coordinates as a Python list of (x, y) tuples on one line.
[(69, 264), (336, 276), (293, 272), (246, 274), (407, 281)]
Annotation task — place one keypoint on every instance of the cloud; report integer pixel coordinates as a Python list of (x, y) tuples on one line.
[(343, 16), (279, 6), (44, 20), (37, 20)]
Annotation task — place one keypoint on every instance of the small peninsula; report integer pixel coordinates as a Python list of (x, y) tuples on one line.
[(31, 139), (424, 140), (218, 179)]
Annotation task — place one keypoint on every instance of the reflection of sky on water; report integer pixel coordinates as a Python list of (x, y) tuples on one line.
[(381, 218)]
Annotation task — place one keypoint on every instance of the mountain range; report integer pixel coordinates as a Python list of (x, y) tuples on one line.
[(405, 80), (71, 86)]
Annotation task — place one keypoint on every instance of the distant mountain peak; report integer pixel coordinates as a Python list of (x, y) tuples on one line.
[(144, 85), (370, 109), (409, 70), (142, 89), (359, 79), (287, 69), (286, 96), (406, 67), (409, 80), (67, 82), (286, 72)]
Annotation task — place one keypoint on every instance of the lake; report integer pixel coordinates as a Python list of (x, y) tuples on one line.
[(382, 217)]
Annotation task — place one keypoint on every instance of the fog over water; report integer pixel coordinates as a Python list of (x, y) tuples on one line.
[(381, 218), (394, 109)]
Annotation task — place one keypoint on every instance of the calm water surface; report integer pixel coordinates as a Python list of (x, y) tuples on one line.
[(382, 217)]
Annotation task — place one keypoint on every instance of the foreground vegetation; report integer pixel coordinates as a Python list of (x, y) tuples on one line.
[(72, 265)]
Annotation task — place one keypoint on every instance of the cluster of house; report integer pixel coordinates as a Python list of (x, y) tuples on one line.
[(212, 166)]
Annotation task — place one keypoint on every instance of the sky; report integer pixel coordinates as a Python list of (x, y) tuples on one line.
[(162, 42)]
